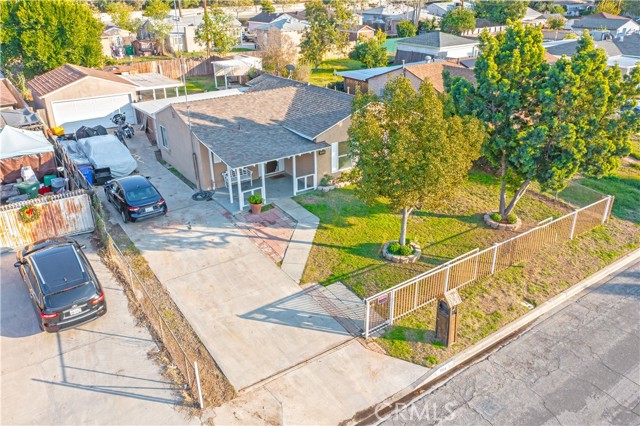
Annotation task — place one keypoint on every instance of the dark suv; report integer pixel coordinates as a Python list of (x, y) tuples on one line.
[(61, 283)]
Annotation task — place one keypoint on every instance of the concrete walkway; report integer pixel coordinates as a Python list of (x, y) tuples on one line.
[(295, 259)]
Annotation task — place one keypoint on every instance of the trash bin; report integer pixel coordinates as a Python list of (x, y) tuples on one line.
[(128, 50), (29, 188), (87, 172), (57, 185)]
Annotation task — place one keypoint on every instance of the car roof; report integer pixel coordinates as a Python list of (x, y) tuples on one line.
[(46, 243), (133, 182), (51, 272)]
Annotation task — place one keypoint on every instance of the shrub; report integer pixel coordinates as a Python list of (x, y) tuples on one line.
[(512, 218), (326, 180), (495, 217), (396, 248), (351, 175), (256, 199)]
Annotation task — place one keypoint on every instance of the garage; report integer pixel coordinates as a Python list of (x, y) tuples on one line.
[(73, 114)]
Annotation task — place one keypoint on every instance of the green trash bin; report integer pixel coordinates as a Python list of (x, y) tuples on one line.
[(128, 50), (29, 188)]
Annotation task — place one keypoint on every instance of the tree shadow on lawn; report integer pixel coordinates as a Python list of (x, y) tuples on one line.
[(475, 218)]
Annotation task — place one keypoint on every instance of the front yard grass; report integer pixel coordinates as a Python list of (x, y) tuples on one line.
[(350, 236), (324, 74)]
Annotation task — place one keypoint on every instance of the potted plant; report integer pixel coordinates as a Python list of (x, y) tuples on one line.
[(256, 202)]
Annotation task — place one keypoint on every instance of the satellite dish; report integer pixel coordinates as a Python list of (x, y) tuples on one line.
[(290, 68)]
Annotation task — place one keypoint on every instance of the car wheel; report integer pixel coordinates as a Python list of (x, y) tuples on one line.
[(125, 219)]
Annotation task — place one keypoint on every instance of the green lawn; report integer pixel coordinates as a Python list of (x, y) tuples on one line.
[(324, 74), (200, 84), (350, 236), (499, 299)]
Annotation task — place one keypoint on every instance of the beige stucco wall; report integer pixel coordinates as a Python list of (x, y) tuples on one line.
[(338, 133), (376, 84), (88, 87)]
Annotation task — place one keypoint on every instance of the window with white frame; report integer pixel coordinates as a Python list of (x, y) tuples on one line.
[(163, 137), (340, 156)]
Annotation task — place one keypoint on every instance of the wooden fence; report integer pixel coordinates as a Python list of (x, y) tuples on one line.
[(64, 214), (385, 307), (171, 68)]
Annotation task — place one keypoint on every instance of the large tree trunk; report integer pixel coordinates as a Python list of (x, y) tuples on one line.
[(517, 196), (503, 184), (204, 4), (403, 229)]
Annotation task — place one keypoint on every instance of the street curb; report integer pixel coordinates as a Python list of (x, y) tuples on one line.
[(372, 414)]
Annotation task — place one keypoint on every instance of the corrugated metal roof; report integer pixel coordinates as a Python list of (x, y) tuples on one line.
[(152, 107), (366, 74)]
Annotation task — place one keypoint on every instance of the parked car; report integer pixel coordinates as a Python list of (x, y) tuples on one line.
[(135, 198), (61, 283)]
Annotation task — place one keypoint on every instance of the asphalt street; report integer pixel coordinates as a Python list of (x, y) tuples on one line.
[(579, 365)]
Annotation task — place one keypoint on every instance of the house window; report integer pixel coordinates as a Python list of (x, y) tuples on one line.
[(163, 137), (340, 156)]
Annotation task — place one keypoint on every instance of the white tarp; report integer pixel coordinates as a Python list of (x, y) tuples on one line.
[(108, 151), (17, 142)]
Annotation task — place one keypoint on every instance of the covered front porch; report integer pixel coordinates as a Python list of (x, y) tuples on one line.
[(272, 179)]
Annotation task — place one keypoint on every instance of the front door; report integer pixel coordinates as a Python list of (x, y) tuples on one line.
[(274, 167)]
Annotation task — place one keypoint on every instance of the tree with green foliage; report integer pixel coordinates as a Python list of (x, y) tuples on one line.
[(215, 31), (325, 32), (267, 7), (546, 123), (236, 5), (428, 25), (157, 12), (631, 7), (43, 35), (501, 11), (457, 21), (556, 23), (284, 4), (409, 149), (546, 6), (120, 14), (608, 6), (371, 52), (406, 29), (278, 51)]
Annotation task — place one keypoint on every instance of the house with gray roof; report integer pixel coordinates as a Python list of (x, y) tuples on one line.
[(615, 25), (246, 143), (437, 45)]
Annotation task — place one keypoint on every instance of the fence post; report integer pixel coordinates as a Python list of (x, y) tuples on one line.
[(446, 280), (415, 296), (195, 366), (606, 210), (186, 365), (573, 225), (392, 300), (495, 257), (366, 319)]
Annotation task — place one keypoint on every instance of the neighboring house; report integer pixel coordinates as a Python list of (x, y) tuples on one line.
[(288, 27), (73, 96), (484, 24), (148, 83), (622, 51), (440, 9), (263, 18), (373, 80), (576, 7), (278, 126), (361, 32), (146, 111), (607, 23), (144, 47), (114, 39), (533, 17), (435, 44), (386, 18)]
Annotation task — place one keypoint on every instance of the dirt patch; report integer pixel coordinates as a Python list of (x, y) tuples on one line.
[(154, 308)]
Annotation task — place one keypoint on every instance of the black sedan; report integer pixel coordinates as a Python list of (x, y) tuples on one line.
[(61, 283), (135, 198)]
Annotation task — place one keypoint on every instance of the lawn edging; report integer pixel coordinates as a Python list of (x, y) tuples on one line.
[(375, 414)]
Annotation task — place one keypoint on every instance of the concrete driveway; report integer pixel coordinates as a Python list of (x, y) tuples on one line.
[(251, 316), (99, 373)]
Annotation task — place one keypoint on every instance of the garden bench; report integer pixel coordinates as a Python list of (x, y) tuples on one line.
[(231, 177)]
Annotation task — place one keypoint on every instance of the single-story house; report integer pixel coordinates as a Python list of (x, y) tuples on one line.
[(484, 24), (621, 51), (263, 18), (575, 7), (614, 24), (114, 39), (533, 17), (373, 80), (146, 111), (435, 44), (441, 8), (386, 18), (73, 96), (361, 32), (277, 127)]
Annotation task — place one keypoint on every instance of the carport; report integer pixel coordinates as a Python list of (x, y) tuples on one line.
[(150, 82)]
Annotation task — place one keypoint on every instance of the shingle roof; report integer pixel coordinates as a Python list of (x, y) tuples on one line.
[(438, 39), (62, 76), (432, 72), (265, 17), (6, 97), (628, 46), (285, 24), (601, 20), (275, 118)]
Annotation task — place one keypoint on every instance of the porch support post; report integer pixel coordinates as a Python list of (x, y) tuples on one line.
[(165, 93), (177, 93), (240, 197), (264, 185), (154, 94), (295, 178), (230, 183), (315, 169), (226, 82), (213, 177), (215, 76)]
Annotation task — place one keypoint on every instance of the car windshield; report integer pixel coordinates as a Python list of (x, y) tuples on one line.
[(139, 194), (59, 268)]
